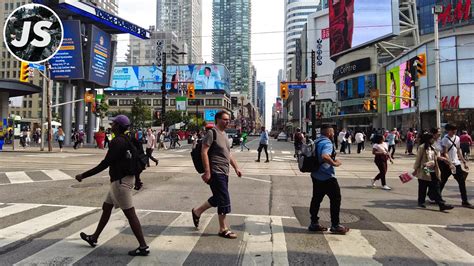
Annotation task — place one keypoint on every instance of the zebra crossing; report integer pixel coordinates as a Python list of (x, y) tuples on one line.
[(20, 177), (51, 237)]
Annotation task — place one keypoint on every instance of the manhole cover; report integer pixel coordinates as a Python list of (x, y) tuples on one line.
[(86, 185), (344, 217)]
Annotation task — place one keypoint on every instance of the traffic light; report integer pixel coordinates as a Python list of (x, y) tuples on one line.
[(419, 62), (284, 91), (367, 105), (24, 72), (373, 104), (191, 92)]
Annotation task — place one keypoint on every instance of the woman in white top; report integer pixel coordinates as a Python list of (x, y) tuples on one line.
[(380, 150)]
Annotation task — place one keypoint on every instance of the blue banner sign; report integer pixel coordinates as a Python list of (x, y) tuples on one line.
[(37, 66), (99, 57), (210, 114), (68, 62), (297, 86)]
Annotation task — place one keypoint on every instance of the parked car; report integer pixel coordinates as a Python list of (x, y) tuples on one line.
[(282, 136), (234, 135)]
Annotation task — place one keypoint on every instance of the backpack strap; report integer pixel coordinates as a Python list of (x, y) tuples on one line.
[(453, 143)]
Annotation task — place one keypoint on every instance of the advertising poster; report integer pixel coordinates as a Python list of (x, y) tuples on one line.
[(405, 85), (99, 56), (393, 89), (68, 61), (210, 114), (356, 23)]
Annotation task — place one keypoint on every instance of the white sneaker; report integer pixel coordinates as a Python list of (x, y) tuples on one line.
[(372, 181), (386, 188)]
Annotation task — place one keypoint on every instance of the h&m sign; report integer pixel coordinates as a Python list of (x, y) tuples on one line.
[(455, 14), (449, 102)]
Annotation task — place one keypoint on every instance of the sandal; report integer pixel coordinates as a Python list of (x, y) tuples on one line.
[(195, 219), (139, 251), (88, 239), (228, 234)]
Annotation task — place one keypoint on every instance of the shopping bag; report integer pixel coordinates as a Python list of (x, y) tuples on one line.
[(405, 177)]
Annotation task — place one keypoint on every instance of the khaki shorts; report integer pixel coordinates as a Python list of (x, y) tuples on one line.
[(120, 193)]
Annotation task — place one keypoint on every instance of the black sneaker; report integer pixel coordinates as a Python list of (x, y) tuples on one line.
[(89, 239), (466, 204), (421, 205), (314, 227), (445, 207), (340, 230), (139, 251)]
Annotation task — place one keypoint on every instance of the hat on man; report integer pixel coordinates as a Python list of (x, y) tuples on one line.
[(121, 120)]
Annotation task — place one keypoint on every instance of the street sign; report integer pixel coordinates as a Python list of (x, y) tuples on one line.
[(297, 86), (37, 66), (181, 103)]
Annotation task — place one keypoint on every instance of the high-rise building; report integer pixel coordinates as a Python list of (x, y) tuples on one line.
[(261, 99), (184, 17), (296, 14), (110, 6), (231, 20), (253, 86)]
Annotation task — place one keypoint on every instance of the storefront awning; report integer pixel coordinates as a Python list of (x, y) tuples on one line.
[(17, 88)]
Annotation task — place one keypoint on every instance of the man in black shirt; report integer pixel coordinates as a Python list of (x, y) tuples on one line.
[(120, 193)]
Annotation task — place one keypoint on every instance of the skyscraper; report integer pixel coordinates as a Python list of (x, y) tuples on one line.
[(231, 40), (183, 17), (296, 14)]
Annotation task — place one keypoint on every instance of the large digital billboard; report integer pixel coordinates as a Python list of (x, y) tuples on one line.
[(209, 77), (400, 89), (353, 24), (99, 59)]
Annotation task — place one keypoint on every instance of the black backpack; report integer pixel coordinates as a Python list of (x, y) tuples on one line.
[(196, 154), (308, 159), (136, 157)]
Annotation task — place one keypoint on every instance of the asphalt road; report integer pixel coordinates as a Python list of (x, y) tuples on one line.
[(42, 210)]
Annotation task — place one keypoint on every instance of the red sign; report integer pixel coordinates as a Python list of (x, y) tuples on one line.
[(325, 33), (461, 12), (453, 102)]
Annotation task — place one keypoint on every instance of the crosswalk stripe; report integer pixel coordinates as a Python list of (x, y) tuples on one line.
[(56, 174), (180, 150), (352, 249), (175, 243), (18, 177), (257, 236), (279, 252), (435, 246), (73, 248), (17, 208), (285, 152), (30, 227)]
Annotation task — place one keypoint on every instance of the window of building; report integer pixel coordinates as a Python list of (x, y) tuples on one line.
[(29, 114), (8, 64), (8, 74), (172, 102), (6, 6), (24, 104), (24, 113), (156, 102), (113, 102), (15, 64), (30, 104)]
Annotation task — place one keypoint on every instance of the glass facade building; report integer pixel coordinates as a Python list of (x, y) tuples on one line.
[(231, 40)]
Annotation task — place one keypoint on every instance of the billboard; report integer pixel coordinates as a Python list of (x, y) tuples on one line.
[(209, 77), (68, 62), (210, 114), (400, 83), (353, 24), (99, 59)]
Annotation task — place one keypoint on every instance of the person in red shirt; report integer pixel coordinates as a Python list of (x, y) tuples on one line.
[(410, 141), (466, 143)]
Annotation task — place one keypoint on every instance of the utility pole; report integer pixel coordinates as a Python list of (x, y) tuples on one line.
[(437, 9), (313, 94), (163, 93), (49, 103), (43, 108)]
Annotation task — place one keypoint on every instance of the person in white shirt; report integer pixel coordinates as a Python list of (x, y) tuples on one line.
[(341, 138), (452, 151), (359, 139), (380, 150), (150, 146)]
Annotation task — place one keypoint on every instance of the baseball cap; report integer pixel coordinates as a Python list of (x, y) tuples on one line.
[(121, 120)]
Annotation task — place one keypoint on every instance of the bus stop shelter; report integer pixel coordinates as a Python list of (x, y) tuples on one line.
[(12, 88)]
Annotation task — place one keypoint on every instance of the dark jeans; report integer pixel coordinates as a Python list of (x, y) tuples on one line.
[(459, 177), (60, 142), (381, 163), (433, 185), (360, 146), (410, 146), (343, 147), (264, 147), (220, 193), (331, 189), (392, 148), (149, 153)]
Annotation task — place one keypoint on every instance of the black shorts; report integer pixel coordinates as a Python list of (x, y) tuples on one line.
[(220, 193)]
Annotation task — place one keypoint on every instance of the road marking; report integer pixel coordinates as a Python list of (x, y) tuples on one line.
[(181, 150), (285, 152), (17, 208), (279, 252), (33, 226), (56, 174), (256, 179), (73, 248), (18, 177), (175, 243), (435, 246), (352, 248)]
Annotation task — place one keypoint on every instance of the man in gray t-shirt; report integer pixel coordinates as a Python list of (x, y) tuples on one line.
[(216, 158)]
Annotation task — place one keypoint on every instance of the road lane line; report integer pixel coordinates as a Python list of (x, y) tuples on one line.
[(175, 243), (56, 174), (73, 248), (256, 179), (17, 208), (435, 246), (33, 226), (352, 248), (18, 177), (279, 252)]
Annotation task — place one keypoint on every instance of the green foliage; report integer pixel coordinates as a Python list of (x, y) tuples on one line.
[(140, 115), (173, 117)]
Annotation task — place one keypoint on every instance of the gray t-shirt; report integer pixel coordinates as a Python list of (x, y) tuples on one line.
[(219, 154)]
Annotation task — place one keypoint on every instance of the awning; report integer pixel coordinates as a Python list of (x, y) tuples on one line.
[(17, 88)]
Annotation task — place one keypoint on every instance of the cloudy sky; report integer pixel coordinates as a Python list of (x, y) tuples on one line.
[(267, 37)]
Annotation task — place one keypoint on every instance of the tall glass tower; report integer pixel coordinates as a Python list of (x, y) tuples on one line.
[(231, 40)]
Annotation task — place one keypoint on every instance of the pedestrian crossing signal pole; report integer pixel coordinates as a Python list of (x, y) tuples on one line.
[(163, 93), (313, 94)]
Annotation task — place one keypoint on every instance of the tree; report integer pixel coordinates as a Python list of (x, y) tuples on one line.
[(141, 114), (173, 117)]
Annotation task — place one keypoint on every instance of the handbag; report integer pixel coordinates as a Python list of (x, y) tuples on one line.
[(405, 177)]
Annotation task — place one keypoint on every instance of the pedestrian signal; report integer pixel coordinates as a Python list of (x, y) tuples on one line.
[(284, 91), (24, 72), (367, 105), (373, 104), (191, 91)]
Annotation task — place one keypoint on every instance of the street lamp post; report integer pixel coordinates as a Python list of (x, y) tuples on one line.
[(313, 94), (437, 9)]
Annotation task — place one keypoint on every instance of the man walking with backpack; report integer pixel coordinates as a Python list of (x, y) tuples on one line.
[(216, 157), (325, 183), (118, 159)]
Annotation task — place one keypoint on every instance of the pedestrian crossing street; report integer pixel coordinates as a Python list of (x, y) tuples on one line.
[(49, 235), (19, 177)]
